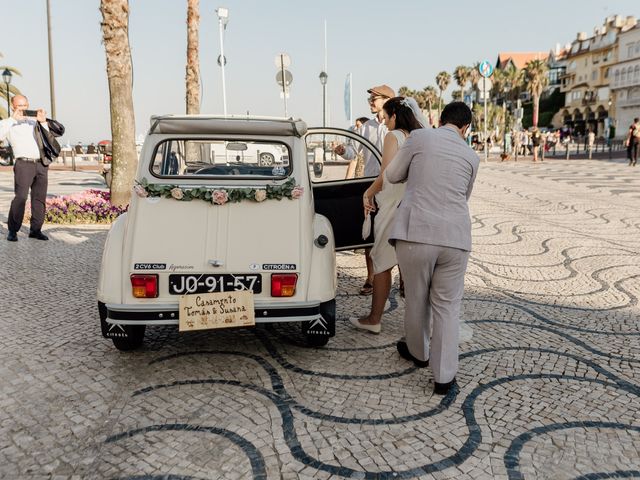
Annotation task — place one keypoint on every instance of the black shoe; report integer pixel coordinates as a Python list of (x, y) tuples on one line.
[(404, 352), (12, 236), (39, 235), (443, 388)]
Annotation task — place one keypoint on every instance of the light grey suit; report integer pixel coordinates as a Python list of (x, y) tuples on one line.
[(432, 234)]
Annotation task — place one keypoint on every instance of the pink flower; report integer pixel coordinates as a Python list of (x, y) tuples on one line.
[(177, 193), (260, 195), (219, 197), (297, 191), (140, 191)]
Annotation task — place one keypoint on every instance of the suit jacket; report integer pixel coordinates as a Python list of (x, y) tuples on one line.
[(439, 168), (52, 149)]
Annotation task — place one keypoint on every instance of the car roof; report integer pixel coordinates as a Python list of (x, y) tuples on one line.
[(232, 124)]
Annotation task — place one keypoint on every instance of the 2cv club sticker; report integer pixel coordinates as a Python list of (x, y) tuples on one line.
[(216, 310)]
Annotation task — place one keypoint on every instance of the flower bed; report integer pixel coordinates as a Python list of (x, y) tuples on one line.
[(90, 206)]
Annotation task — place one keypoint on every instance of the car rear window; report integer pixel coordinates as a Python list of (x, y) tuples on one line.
[(197, 158)]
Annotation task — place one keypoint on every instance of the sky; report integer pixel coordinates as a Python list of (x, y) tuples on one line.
[(405, 42)]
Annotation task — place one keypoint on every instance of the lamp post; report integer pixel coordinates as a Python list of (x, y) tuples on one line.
[(323, 81), (6, 76), (505, 91), (223, 19)]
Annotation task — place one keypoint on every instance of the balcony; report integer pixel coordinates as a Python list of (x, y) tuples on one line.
[(628, 102)]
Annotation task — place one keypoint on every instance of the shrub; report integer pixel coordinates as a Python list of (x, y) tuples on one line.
[(90, 206)]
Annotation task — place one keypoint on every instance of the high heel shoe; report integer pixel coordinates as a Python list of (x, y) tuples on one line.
[(363, 326)]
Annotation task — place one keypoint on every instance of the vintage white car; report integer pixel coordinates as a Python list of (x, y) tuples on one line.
[(196, 225)]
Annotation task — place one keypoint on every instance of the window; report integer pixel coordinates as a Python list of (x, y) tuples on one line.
[(606, 73), (630, 48), (616, 76), (630, 74), (622, 94), (221, 158), (636, 73), (594, 75), (623, 75), (637, 48)]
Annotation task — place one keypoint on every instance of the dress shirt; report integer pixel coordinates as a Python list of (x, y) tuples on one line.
[(21, 136), (373, 130)]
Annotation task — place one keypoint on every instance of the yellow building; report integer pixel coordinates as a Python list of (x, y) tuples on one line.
[(588, 100)]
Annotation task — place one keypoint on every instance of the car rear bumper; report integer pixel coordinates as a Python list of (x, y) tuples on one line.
[(167, 314)]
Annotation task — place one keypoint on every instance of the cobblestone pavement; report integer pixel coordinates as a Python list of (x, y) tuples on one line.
[(549, 383)]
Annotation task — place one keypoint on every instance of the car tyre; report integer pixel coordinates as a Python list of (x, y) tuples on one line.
[(328, 312), (134, 333)]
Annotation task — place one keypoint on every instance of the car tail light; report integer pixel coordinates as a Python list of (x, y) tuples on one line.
[(283, 284), (144, 286)]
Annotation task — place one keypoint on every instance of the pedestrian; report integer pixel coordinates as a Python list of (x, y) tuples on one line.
[(375, 131), (402, 116), (633, 142), (31, 166), (356, 166), (432, 236), (536, 139)]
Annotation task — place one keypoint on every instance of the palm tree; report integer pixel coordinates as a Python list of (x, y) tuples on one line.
[(405, 91), (536, 79), (442, 80), (475, 76), (430, 96), (3, 90), (115, 36), (193, 62), (462, 75)]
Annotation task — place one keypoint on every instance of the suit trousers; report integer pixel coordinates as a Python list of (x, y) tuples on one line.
[(434, 284), (34, 176)]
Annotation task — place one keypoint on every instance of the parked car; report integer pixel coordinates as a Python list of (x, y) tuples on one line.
[(198, 225)]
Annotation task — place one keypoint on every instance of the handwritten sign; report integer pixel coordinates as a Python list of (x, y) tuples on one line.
[(216, 310)]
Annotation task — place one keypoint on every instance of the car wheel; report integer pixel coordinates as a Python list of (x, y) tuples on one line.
[(129, 337), (318, 332), (266, 159)]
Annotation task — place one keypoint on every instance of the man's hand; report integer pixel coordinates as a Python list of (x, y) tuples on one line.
[(42, 116), (18, 116), (339, 149)]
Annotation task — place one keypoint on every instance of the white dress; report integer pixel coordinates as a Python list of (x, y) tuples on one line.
[(383, 255)]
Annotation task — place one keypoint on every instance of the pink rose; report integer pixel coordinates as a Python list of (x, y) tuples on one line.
[(177, 193), (297, 191), (140, 191), (219, 197), (261, 195)]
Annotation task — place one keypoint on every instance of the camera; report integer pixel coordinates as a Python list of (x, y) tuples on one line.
[(30, 113)]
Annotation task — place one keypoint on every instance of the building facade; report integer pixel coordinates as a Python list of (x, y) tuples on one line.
[(625, 80), (589, 104)]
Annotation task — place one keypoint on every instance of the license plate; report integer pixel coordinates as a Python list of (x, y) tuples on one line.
[(183, 284)]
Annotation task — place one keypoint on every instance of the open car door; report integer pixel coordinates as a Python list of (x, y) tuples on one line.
[(338, 182)]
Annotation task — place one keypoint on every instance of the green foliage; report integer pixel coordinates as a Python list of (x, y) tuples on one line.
[(220, 196)]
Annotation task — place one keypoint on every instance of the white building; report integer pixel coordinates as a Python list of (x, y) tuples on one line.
[(625, 80)]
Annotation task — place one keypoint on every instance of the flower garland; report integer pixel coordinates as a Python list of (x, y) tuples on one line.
[(220, 196)]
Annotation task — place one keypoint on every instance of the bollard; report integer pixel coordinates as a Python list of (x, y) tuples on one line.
[(567, 152), (73, 160)]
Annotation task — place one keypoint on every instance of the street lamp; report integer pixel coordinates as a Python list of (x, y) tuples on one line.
[(223, 19), (6, 76), (505, 90), (323, 80)]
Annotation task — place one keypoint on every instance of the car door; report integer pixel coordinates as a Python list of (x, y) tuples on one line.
[(337, 183)]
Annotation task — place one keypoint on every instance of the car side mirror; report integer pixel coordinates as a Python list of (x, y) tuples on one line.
[(318, 168)]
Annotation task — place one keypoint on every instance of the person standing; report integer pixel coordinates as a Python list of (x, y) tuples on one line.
[(31, 166), (633, 142), (375, 131), (402, 116), (432, 236), (536, 140)]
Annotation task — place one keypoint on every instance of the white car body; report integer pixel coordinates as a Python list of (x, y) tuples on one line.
[(167, 237)]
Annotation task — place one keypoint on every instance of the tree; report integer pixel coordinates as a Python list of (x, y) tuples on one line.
[(462, 75), (405, 91), (115, 35), (3, 90), (442, 80), (430, 96), (536, 79), (193, 61), (475, 76)]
